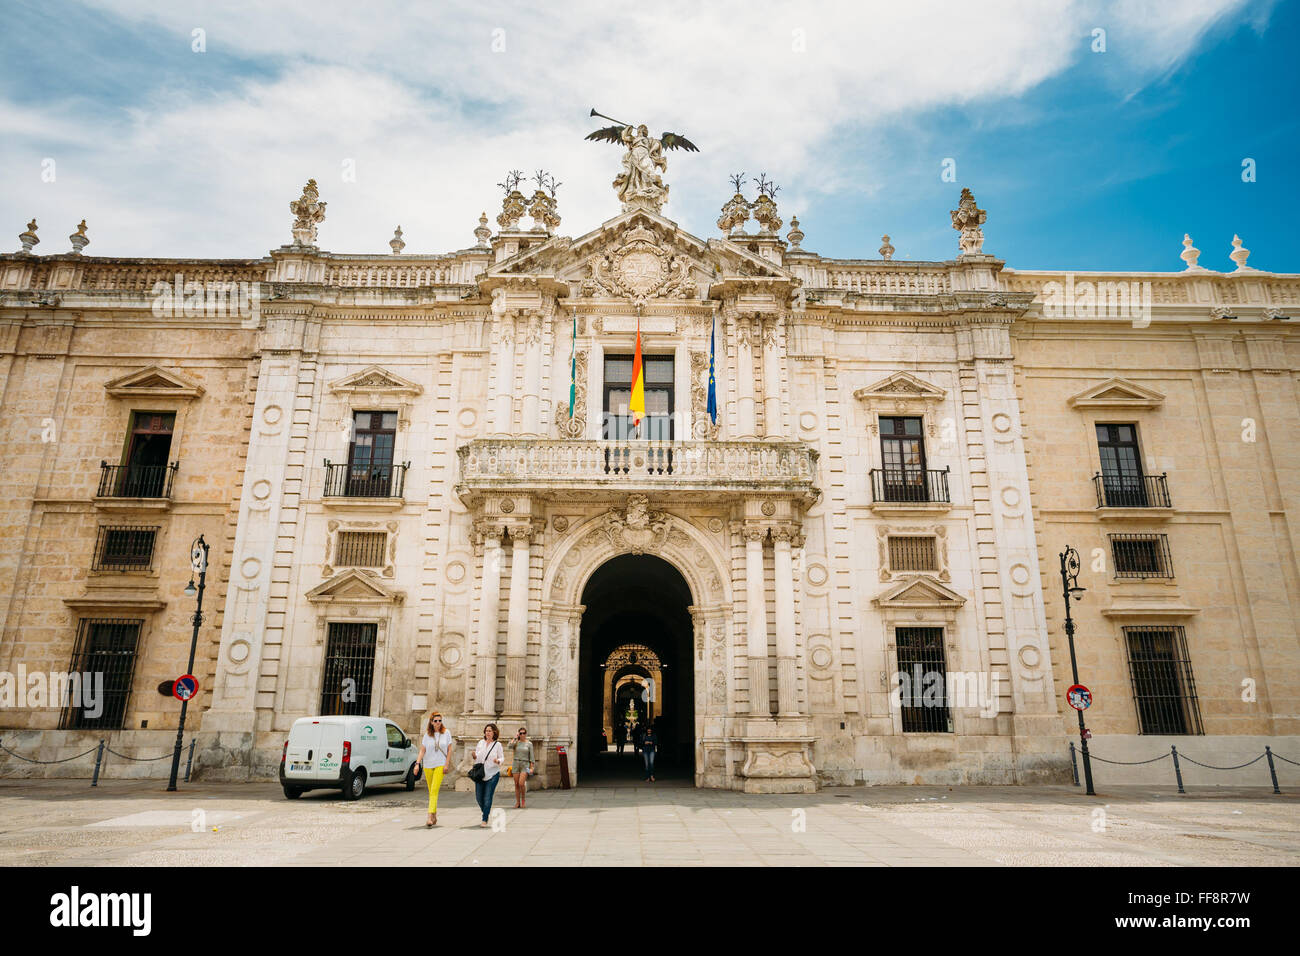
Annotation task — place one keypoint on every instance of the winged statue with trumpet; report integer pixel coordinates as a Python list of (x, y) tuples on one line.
[(640, 184)]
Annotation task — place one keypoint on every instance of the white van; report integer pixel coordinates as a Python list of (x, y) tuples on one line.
[(345, 753)]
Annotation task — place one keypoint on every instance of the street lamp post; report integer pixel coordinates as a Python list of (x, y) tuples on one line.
[(198, 563), (1070, 588)]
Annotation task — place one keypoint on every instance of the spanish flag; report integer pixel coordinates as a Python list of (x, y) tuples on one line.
[(637, 405)]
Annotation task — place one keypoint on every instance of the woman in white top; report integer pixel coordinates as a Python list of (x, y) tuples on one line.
[(491, 754), (435, 757)]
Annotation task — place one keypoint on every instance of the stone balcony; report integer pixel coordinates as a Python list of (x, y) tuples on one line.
[(593, 469)]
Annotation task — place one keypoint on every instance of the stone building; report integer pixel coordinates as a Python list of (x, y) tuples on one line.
[(424, 490)]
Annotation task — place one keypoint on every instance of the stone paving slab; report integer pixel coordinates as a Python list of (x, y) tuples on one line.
[(136, 823)]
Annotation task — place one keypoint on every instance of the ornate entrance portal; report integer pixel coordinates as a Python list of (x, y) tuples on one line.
[(636, 635)]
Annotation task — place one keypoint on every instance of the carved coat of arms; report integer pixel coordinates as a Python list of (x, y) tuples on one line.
[(637, 528)]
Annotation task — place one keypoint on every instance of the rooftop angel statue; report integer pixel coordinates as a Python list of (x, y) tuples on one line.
[(640, 184)]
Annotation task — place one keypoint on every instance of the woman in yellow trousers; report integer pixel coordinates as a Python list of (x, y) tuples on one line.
[(434, 757)]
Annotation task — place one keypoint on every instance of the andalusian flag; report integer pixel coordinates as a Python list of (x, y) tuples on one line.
[(637, 405), (573, 365)]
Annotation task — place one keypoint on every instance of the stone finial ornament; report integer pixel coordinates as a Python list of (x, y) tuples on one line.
[(308, 212), (1190, 254), (1240, 255), (513, 206), (79, 239), (734, 214), (396, 243), (29, 238), (886, 250), (482, 232), (795, 235), (967, 219)]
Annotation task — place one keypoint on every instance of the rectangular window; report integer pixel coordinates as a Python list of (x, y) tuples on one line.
[(127, 548), (370, 456), (657, 425), (1163, 688), (361, 549), (1121, 466), (105, 647), (144, 471), (1141, 556), (349, 669), (908, 552), (923, 684), (902, 456)]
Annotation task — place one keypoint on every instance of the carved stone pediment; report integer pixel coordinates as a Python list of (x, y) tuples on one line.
[(153, 382), (919, 592), (900, 385), (375, 379), (641, 266), (636, 528), (900, 394), (354, 586), (1117, 393)]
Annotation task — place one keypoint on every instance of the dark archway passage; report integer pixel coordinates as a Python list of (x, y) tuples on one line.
[(636, 599)]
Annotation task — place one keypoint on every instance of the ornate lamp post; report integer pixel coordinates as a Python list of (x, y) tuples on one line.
[(1070, 588), (199, 565)]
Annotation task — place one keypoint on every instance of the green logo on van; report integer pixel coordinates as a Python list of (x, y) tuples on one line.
[(369, 729)]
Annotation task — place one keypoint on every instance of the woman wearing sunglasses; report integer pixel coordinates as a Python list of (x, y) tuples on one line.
[(489, 755), (434, 757), (522, 767)]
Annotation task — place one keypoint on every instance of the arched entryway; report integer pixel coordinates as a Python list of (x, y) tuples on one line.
[(636, 643)]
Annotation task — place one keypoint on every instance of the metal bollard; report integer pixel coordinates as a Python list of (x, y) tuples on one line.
[(1177, 770), (189, 761), (1272, 771), (99, 760), (1074, 764)]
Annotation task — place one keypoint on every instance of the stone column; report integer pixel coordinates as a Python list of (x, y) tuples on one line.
[(533, 376), (489, 610), (771, 380), (517, 621), (787, 689), (503, 383), (756, 629), (744, 372)]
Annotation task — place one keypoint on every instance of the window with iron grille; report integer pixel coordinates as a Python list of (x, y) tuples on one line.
[(923, 685), (105, 647), (361, 549), (1141, 556), (1163, 688), (911, 552), (349, 669), (127, 548)]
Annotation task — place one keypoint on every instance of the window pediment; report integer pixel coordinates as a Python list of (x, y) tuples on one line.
[(354, 587), (1117, 393), (153, 382), (919, 592), (375, 380)]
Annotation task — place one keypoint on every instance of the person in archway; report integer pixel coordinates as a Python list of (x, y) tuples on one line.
[(649, 744), (435, 752), (490, 754), (522, 767), (620, 734)]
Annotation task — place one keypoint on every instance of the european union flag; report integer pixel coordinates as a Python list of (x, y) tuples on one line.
[(713, 387)]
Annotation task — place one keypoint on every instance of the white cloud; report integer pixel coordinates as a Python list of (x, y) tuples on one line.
[(433, 117)]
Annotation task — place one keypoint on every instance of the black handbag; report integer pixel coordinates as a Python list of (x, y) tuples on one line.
[(476, 772)]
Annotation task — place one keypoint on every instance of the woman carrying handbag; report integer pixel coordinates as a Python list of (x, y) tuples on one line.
[(523, 767), (489, 755)]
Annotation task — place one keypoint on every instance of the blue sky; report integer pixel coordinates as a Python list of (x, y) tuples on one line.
[(1083, 159)]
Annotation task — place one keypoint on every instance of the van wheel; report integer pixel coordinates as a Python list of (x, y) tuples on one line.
[(292, 793), (410, 778), (355, 786)]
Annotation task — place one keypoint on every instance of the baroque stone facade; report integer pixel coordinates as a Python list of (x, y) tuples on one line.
[(900, 451)]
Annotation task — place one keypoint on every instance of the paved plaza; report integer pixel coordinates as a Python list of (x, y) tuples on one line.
[(136, 823)]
